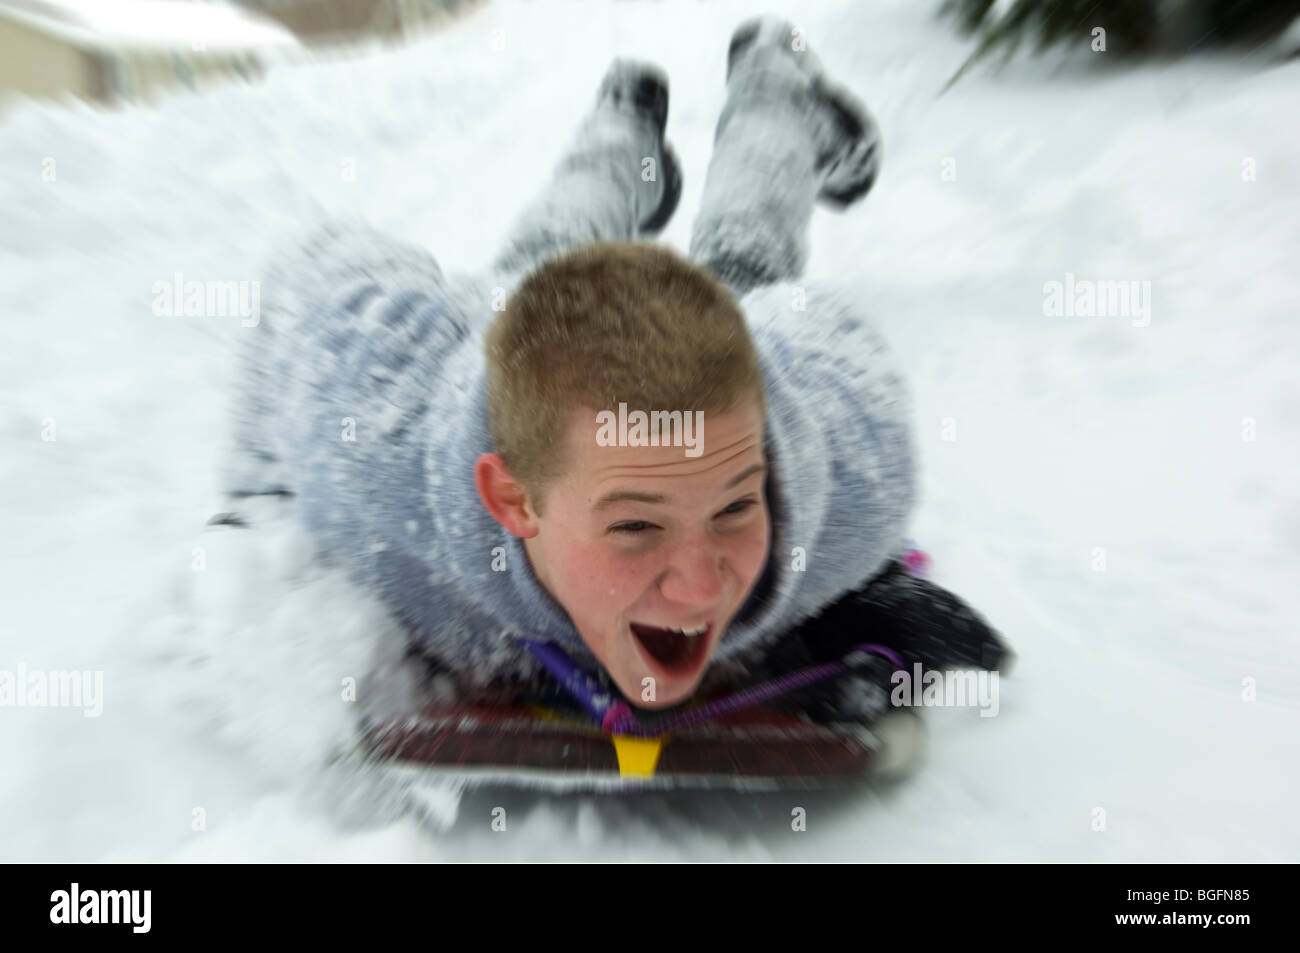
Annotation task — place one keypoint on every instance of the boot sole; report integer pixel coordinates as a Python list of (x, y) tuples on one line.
[(842, 190), (672, 172)]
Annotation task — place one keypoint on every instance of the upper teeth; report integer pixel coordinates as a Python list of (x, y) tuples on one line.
[(695, 631)]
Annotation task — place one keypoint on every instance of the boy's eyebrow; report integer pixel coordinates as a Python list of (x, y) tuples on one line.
[(745, 474), (618, 496)]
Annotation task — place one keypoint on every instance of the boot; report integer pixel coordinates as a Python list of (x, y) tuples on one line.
[(766, 71), (625, 127)]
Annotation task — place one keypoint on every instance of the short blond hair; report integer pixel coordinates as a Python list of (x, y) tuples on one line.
[(609, 322)]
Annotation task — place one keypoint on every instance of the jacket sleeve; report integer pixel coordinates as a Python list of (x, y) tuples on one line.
[(923, 622), (841, 435)]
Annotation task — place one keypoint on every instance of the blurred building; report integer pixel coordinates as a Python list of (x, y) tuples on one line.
[(120, 50), (330, 21), (110, 51)]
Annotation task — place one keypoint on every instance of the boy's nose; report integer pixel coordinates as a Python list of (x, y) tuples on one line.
[(695, 576)]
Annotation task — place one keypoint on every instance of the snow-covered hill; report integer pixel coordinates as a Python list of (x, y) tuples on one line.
[(1072, 435)]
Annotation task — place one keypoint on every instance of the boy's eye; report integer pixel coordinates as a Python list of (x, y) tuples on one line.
[(638, 526), (739, 507)]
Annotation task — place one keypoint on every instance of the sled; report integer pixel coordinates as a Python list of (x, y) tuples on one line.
[(534, 746)]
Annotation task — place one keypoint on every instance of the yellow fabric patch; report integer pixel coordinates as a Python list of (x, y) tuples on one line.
[(637, 757)]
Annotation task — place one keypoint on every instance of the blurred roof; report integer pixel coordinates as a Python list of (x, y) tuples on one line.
[(150, 23)]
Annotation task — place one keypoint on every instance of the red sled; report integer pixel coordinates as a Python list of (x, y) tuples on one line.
[(528, 745)]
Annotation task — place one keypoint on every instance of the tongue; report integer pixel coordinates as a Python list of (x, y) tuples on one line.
[(668, 647)]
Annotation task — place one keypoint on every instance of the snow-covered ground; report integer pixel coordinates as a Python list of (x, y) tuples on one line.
[(221, 687)]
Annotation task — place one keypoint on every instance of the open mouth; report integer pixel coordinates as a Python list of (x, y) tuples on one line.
[(677, 650)]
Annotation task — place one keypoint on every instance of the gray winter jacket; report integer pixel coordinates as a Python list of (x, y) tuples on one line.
[(363, 393)]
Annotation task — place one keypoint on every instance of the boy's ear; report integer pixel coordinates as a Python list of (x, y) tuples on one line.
[(504, 496)]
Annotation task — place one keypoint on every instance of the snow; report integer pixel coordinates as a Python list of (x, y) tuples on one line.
[(224, 684)]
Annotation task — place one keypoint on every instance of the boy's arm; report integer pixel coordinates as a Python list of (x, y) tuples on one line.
[(841, 442), (920, 620), (923, 622)]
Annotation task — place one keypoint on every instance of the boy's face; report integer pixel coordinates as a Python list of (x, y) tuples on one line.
[(637, 539)]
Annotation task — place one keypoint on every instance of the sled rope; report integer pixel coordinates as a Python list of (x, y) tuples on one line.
[(615, 717)]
